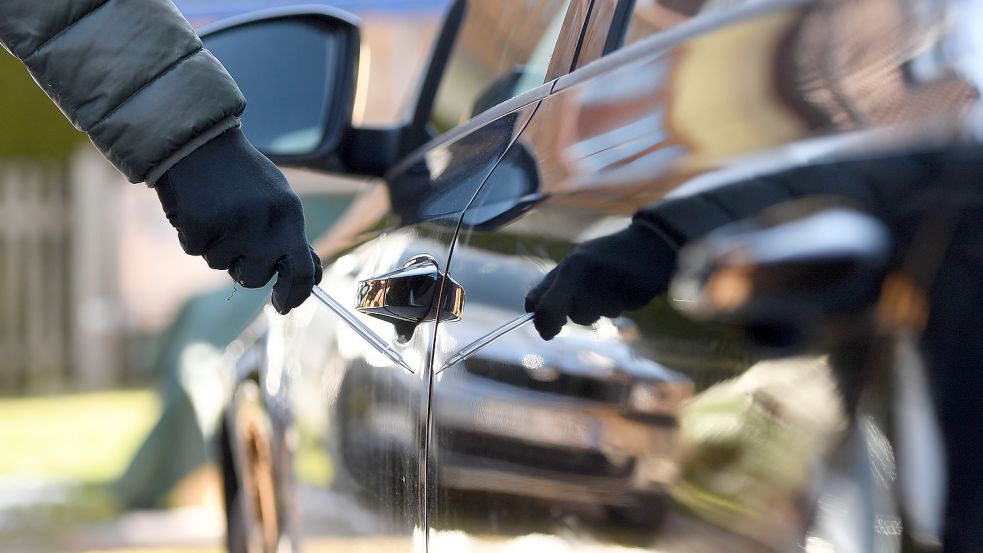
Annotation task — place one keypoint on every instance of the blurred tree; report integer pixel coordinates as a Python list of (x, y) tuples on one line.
[(30, 125)]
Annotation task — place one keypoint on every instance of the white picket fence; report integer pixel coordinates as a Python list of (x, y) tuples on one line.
[(47, 216)]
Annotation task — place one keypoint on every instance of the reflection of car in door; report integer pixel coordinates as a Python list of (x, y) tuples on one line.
[(538, 126), (561, 411)]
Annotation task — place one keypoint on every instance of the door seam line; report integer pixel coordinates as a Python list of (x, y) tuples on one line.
[(433, 345), (583, 35)]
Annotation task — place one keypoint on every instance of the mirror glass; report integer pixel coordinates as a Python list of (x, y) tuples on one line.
[(282, 67)]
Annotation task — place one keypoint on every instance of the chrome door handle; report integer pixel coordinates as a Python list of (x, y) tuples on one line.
[(407, 296)]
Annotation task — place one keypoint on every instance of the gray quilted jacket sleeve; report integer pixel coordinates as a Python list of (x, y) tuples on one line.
[(130, 73)]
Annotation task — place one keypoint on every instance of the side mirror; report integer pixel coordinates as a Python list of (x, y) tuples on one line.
[(297, 69), (788, 275)]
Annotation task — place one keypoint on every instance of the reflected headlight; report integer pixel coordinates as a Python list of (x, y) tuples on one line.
[(659, 398), (537, 368)]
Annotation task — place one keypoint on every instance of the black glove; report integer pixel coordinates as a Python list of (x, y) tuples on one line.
[(602, 277), (232, 206)]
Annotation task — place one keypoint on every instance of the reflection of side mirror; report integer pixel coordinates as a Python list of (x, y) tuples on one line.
[(787, 273), (511, 190), (499, 90), (297, 70)]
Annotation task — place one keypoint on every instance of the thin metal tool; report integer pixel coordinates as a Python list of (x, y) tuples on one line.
[(359, 327), (474, 347)]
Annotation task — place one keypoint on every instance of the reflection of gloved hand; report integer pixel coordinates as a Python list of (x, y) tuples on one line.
[(602, 277), (232, 206)]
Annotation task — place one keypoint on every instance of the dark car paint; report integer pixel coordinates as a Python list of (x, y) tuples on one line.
[(690, 108), (565, 386)]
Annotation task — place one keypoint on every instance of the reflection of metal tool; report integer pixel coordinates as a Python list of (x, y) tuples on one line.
[(359, 327), (473, 348)]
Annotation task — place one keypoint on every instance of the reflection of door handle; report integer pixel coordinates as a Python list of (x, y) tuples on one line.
[(407, 296)]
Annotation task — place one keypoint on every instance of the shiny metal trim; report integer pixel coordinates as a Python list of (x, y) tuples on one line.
[(381, 296), (479, 121), (671, 37), (372, 292)]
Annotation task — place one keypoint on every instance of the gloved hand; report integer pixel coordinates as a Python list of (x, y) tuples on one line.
[(233, 207), (602, 277)]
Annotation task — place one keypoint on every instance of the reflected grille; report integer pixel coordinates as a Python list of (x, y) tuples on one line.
[(494, 450), (564, 384)]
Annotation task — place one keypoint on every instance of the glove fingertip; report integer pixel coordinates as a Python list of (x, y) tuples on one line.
[(280, 304), (277, 304), (541, 330), (318, 267), (295, 279), (281, 288), (548, 323)]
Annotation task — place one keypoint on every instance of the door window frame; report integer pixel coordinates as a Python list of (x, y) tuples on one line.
[(574, 22), (606, 30)]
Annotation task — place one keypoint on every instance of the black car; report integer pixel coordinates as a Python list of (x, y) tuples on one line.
[(408, 405)]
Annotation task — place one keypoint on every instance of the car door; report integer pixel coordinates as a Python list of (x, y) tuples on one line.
[(579, 443), (358, 372)]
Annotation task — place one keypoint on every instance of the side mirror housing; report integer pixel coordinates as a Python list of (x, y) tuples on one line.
[(297, 69)]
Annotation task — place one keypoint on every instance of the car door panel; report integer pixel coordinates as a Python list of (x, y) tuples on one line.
[(578, 441), (360, 417), (489, 437)]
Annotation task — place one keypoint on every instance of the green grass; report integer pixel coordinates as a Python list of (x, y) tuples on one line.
[(77, 442), (82, 438)]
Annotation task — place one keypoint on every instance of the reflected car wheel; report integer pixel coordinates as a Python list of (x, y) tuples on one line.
[(378, 469), (253, 510)]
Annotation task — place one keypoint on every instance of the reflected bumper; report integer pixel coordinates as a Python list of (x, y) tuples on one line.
[(495, 437)]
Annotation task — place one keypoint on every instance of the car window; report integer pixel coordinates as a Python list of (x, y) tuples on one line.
[(503, 49), (648, 17)]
